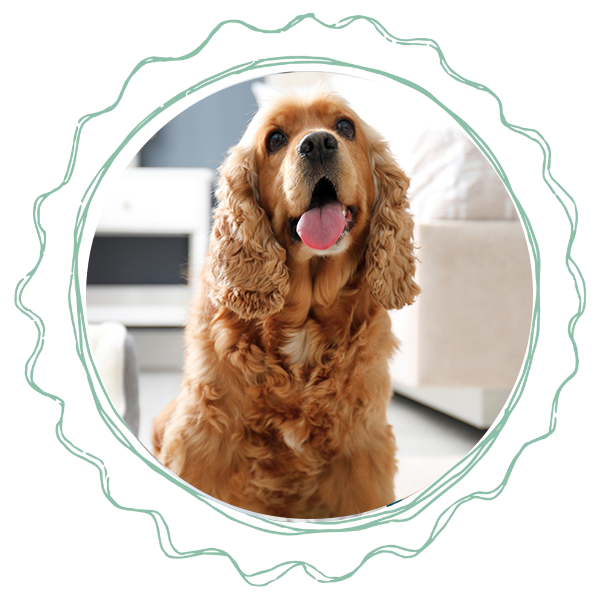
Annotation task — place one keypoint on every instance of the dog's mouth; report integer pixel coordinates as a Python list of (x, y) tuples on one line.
[(326, 220)]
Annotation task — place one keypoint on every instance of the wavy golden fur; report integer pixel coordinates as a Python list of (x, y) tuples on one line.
[(282, 410)]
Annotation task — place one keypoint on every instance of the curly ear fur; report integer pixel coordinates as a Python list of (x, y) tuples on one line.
[(246, 270), (390, 259)]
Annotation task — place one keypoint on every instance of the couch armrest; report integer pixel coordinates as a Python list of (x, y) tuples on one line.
[(471, 323)]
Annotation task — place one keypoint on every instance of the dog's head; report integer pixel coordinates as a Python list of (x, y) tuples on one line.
[(309, 178)]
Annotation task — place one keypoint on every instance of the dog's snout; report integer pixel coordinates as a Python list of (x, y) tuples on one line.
[(317, 146)]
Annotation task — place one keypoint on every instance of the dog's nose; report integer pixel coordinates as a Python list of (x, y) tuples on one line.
[(317, 146)]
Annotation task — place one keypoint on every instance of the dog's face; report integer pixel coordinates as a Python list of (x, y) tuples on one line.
[(315, 178)]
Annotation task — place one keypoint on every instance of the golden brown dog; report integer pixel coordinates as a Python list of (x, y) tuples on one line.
[(283, 405)]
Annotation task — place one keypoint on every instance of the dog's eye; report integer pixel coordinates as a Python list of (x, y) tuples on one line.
[(346, 128), (275, 141)]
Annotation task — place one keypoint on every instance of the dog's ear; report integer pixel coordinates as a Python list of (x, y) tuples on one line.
[(246, 270), (390, 259)]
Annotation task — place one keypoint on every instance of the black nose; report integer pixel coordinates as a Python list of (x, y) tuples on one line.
[(317, 146)]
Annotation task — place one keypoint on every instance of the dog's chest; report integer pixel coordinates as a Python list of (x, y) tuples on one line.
[(298, 345)]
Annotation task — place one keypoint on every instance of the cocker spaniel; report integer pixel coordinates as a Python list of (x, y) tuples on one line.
[(283, 404)]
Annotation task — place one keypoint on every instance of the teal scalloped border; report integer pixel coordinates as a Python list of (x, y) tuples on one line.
[(394, 511)]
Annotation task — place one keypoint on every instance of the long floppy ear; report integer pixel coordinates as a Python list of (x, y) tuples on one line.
[(246, 270), (390, 259)]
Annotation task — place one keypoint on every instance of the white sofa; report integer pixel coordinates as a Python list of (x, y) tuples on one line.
[(464, 339)]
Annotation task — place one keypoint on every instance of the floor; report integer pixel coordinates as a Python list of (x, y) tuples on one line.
[(429, 443)]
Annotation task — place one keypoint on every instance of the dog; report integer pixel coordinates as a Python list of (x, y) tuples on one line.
[(283, 403)]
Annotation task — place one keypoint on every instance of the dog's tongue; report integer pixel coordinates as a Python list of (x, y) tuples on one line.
[(319, 228)]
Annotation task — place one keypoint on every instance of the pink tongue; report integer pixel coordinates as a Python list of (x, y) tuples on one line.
[(320, 228)]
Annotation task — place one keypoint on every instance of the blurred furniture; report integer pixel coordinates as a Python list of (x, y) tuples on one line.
[(114, 357), (150, 242), (464, 339)]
